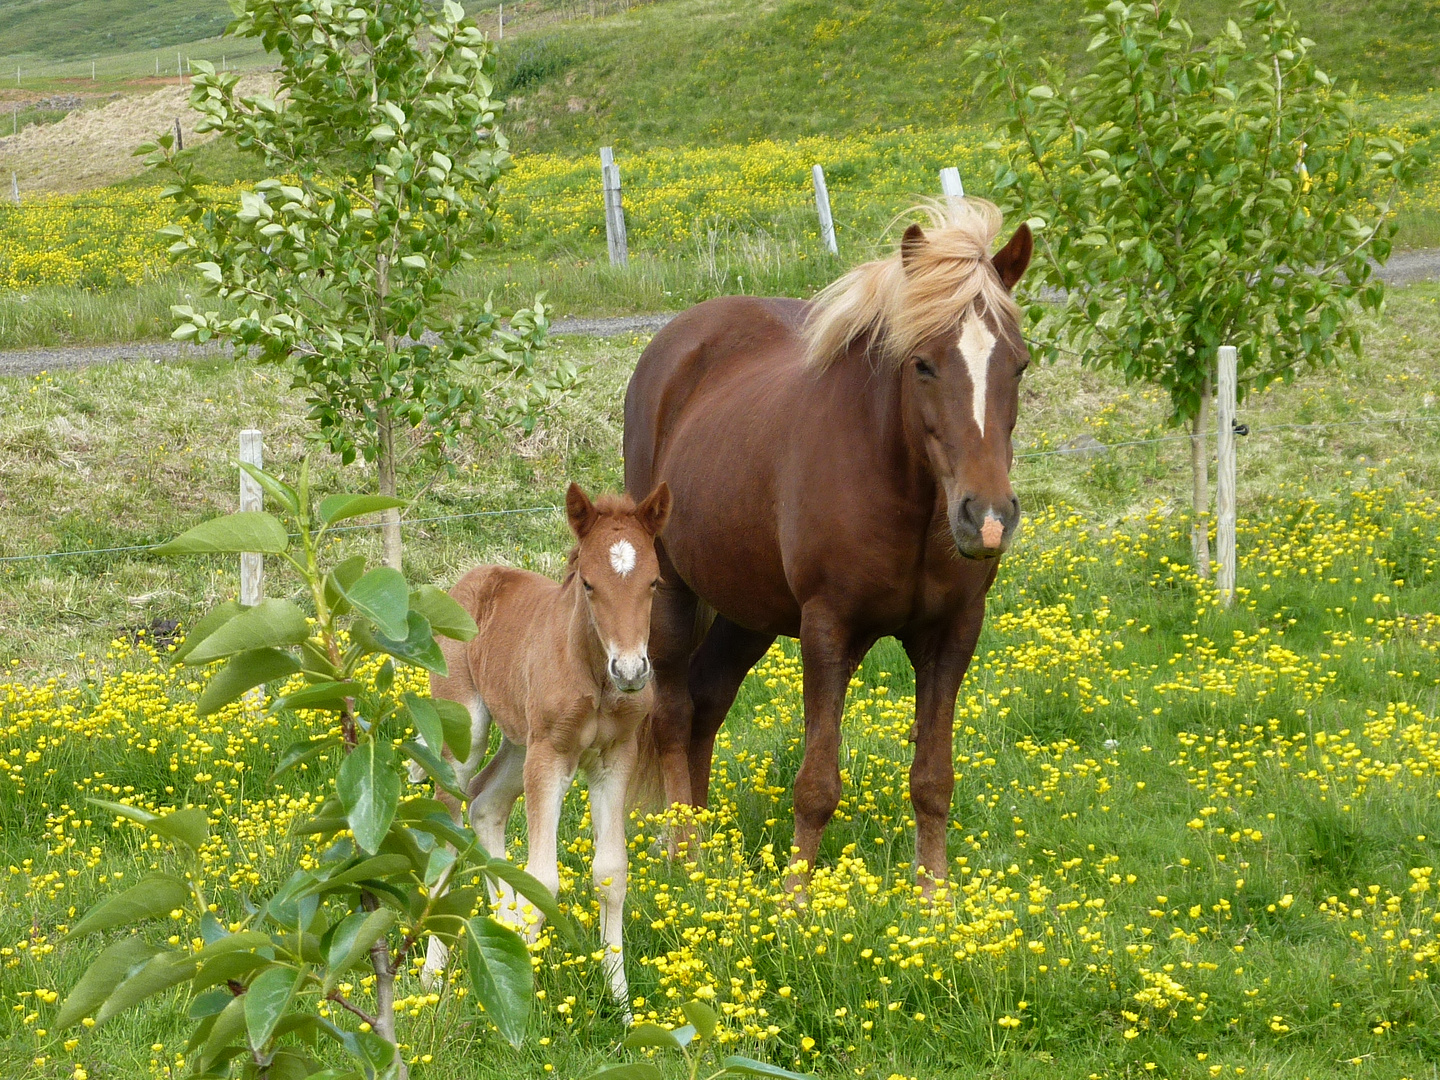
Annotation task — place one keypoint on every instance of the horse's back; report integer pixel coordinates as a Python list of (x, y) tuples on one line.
[(707, 343)]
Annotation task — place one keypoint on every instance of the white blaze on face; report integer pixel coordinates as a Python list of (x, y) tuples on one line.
[(976, 345), (622, 557)]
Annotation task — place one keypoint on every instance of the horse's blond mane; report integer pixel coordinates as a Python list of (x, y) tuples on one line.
[(901, 305)]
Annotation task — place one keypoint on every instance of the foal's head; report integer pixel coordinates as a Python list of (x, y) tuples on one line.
[(940, 314), (618, 572)]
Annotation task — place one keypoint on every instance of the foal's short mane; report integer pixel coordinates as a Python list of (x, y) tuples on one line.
[(901, 305), (611, 504)]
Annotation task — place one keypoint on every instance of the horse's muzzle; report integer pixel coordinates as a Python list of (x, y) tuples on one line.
[(984, 529)]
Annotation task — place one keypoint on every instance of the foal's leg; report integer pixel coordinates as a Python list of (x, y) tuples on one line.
[(830, 655), (940, 658), (492, 797), (609, 778), (724, 659), (548, 775)]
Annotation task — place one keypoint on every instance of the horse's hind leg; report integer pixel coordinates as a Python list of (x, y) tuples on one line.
[(492, 797), (724, 659)]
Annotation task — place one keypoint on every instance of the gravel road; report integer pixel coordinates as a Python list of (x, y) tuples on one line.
[(1404, 268)]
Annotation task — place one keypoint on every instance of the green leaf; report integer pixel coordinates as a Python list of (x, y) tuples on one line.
[(107, 971), (377, 866), (446, 617), (426, 720), (702, 1018), (190, 826), (267, 1000), (643, 1035), (340, 578), (228, 1026), (244, 671), (212, 620), (163, 971), (744, 1066), (276, 488), (322, 695), (437, 767), (228, 966), (630, 1070), (249, 530), (339, 507), (352, 940), (458, 726), (533, 891), (383, 597), (268, 623), (369, 789), (501, 976), (417, 648), (296, 753), (155, 896)]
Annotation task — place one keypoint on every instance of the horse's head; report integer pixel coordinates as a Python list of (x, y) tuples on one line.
[(618, 571), (961, 394)]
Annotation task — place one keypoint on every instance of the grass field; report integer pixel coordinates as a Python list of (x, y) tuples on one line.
[(1188, 842)]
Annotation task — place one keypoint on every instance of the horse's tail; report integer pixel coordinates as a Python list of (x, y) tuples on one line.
[(646, 791)]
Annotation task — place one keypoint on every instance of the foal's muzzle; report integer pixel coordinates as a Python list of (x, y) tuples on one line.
[(630, 674)]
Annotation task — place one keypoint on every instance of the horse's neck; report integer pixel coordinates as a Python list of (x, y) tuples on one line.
[(873, 388)]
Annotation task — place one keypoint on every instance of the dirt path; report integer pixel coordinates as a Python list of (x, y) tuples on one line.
[(1404, 268)]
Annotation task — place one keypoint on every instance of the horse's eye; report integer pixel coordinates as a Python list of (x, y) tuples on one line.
[(923, 368), (655, 584), (588, 586)]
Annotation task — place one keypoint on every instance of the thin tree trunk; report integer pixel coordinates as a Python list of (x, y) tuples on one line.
[(1200, 484), (389, 519), (383, 964)]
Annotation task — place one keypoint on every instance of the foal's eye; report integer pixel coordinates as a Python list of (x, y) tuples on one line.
[(923, 368)]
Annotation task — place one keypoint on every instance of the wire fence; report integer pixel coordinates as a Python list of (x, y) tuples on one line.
[(1073, 451)]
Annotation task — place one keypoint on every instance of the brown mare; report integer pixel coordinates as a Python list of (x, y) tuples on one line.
[(841, 472), (563, 669)]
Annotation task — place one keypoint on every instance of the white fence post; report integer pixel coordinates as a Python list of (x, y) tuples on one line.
[(822, 207), (502, 22), (950, 184), (252, 564), (1225, 480), (15, 189), (614, 208)]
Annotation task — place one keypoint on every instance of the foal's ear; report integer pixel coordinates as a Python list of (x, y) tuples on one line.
[(1011, 260), (580, 510), (910, 245), (654, 512)]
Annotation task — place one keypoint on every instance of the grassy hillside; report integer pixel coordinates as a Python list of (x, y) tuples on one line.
[(65, 29), (708, 71)]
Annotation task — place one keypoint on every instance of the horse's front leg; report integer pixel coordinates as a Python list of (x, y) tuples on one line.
[(609, 780), (549, 772), (940, 657), (830, 655)]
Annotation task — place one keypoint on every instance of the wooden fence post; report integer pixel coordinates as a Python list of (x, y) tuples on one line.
[(822, 207), (950, 184), (614, 208), (179, 136), (252, 564), (1225, 479), (14, 189), (502, 22)]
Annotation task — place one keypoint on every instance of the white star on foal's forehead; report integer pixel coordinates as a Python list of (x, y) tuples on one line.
[(976, 345), (622, 557)]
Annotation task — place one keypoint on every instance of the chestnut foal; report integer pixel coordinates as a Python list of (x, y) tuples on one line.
[(564, 670)]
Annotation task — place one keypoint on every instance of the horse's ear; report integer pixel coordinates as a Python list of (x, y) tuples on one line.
[(910, 245), (654, 512), (1011, 260), (580, 510)]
